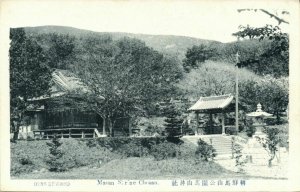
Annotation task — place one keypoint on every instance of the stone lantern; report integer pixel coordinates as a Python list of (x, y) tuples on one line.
[(258, 119)]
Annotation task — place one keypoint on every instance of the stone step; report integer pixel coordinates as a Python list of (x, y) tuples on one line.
[(223, 146)]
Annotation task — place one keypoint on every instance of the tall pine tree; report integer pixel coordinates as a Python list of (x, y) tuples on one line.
[(29, 75), (173, 121)]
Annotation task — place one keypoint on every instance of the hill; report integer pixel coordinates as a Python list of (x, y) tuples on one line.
[(167, 44), (262, 57)]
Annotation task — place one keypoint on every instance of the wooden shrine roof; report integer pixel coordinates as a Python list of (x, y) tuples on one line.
[(212, 103), (63, 82)]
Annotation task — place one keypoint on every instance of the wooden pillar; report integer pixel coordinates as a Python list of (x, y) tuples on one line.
[(82, 134), (69, 133), (223, 123), (36, 124), (62, 119), (197, 123), (103, 126), (72, 118), (210, 121)]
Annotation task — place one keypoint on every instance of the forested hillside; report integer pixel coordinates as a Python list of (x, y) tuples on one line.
[(167, 44), (135, 72), (263, 56)]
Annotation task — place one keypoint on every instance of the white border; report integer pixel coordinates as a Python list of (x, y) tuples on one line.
[(18, 13)]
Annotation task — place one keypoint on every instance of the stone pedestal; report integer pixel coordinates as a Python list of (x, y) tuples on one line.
[(255, 150)]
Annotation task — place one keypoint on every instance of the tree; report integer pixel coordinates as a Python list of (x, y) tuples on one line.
[(196, 55), (128, 74), (29, 75), (271, 92), (211, 78), (59, 48), (271, 142), (272, 15), (61, 51), (173, 121), (275, 59), (55, 158)]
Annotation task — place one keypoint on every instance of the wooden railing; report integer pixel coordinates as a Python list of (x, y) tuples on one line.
[(67, 133)]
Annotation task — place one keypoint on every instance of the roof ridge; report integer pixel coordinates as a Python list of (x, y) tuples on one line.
[(215, 97)]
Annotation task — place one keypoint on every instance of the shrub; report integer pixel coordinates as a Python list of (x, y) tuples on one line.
[(27, 156), (77, 153), (239, 160), (231, 130), (164, 150), (21, 164), (271, 142), (250, 130), (55, 159), (205, 151), (187, 151), (114, 143), (132, 149), (17, 168), (25, 160)]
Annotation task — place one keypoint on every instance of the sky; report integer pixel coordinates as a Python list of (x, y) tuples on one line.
[(202, 19)]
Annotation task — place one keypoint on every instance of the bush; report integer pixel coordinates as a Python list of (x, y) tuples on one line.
[(187, 151), (164, 151), (240, 161), (17, 168), (77, 153), (133, 150), (25, 160), (205, 151), (115, 143), (27, 156), (55, 159), (230, 130), (250, 130), (22, 164)]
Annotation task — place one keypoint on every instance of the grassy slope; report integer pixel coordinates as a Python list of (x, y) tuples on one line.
[(118, 167), (141, 168)]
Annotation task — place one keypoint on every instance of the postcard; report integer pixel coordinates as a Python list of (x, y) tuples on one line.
[(149, 95)]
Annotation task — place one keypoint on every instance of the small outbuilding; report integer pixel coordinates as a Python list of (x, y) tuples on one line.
[(213, 105)]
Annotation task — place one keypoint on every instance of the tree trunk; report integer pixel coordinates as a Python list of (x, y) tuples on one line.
[(277, 118), (110, 127), (271, 159), (15, 131)]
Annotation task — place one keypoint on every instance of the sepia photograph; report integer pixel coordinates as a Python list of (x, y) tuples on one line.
[(153, 95)]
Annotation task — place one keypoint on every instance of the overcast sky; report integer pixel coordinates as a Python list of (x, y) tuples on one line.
[(206, 20)]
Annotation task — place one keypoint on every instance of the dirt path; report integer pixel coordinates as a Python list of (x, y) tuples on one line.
[(259, 166)]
